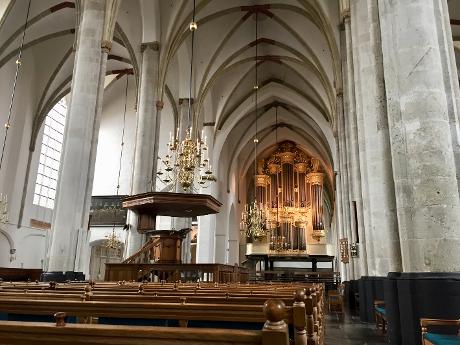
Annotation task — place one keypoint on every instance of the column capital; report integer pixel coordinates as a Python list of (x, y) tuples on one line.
[(346, 15), (155, 46), (159, 104), (186, 100), (106, 46)]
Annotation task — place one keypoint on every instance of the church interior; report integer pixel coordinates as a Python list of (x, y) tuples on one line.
[(230, 172)]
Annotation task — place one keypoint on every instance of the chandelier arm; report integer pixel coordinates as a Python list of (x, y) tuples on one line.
[(18, 64)]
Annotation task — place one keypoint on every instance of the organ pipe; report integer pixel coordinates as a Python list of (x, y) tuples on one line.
[(289, 186)]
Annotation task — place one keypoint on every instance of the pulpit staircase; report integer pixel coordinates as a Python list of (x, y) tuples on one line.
[(143, 255)]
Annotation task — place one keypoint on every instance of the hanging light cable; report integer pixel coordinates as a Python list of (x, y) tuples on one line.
[(253, 218), (256, 88), (16, 75), (112, 240), (277, 196), (186, 162), (193, 26), (3, 197)]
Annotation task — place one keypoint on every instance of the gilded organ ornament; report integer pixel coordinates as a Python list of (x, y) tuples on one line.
[(289, 187)]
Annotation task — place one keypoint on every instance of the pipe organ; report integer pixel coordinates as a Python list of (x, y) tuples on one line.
[(289, 190)]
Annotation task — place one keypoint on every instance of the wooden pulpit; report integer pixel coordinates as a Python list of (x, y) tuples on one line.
[(167, 244), (164, 246)]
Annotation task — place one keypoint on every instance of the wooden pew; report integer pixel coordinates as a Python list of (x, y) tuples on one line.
[(46, 302), (433, 337), (147, 292), (274, 332), (144, 292), (178, 286)]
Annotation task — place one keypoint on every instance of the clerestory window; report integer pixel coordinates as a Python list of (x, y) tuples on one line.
[(50, 156)]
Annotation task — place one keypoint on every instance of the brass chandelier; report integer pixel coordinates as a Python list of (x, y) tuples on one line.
[(253, 218), (113, 241), (187, 161)]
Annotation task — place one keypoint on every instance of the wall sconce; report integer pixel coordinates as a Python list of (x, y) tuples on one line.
[(354, 250), (12, 254)]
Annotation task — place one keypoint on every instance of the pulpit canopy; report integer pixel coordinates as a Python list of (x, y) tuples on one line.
[(172, 204)]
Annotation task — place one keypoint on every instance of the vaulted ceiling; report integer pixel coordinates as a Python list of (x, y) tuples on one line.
[(299, 69)]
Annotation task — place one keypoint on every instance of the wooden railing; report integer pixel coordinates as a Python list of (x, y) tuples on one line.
[(296, 274), (174, 272), (143, 254)]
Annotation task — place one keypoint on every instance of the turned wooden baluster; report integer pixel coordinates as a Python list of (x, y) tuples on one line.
[(299, 317), (275, 331), (315, 310), (320, 299), (60, 319), (311, 334), (88, 293), (141, 289)]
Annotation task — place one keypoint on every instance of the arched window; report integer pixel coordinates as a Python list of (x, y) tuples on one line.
[(50, 156)]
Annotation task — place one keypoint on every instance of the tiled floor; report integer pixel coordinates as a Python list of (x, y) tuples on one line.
[(351, 332)]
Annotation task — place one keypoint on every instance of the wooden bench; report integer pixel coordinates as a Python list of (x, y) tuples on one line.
[(380, 315), (145, 292), (431, 329), (180, 314), (191, 303), (139, 292), (274, 331)]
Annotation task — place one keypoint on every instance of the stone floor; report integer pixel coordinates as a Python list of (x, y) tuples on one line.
[(351, 331)]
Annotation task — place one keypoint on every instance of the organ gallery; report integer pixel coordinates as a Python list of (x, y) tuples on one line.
[(289, 189)]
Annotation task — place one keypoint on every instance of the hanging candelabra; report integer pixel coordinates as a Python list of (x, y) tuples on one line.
[(187, 161), (253, 219), (113, 241)]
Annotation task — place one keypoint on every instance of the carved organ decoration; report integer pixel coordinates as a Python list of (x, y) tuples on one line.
[(289, 186)]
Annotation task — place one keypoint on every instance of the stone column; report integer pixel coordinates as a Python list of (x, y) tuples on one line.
[(207, 224), (382, 237), (344, 180), (83, 248), (159, 108), (145, 135), (339, 226), (417, 86), (70, 217), (353, 150)]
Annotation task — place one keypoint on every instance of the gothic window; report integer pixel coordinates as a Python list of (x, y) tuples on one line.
[(50, 156)]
